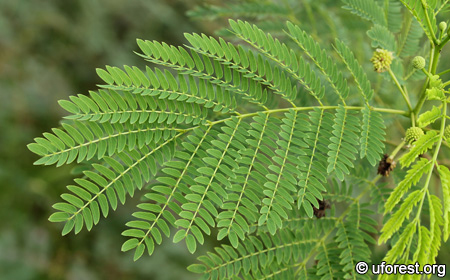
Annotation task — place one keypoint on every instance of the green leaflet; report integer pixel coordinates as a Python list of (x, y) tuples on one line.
[(279, 53), (191, 220), (353, 246), (241, 211), (372, 136), (397, 250), (167, 87), (254, 254), (356, 70), (423, 144), (397, 219), (394, 15), (108, 140), (192, 65), (83, 202), (165, 197), (342, 148), (413, 176), (247, 65), (436, 221), (435, 93), (445, 181), (424, 243), (321, 59), (312, 178), (429, 117), (327, 259), (382, 38), (279, 185), (367, 9), (409, 41)]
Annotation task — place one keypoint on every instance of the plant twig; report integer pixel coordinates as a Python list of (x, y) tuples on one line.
[(404, 94)]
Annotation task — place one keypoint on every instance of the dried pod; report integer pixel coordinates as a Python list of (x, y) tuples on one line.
[(323, 205), (386, 166)]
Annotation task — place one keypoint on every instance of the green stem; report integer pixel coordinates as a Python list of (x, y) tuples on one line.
[(272, 111), (445, 40), (425, 71), (441, 34), (405, 96), (446, 84), (396, 150), (441, 7), (428, 22), (444, 72), (434, 58)]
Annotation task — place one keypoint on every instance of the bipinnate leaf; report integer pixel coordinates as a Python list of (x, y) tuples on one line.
[(199, 138)]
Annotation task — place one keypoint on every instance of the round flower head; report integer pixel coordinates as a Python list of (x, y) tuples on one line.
[(418, 62), (381, 60), (443, 25), (412, 134)]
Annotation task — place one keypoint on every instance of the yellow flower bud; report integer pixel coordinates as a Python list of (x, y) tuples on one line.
[(381, 60)]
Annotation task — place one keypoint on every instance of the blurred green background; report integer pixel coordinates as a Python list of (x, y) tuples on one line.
[(49, 49)]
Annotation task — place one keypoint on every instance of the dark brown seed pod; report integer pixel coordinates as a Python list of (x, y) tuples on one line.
[(323, 205), (386, 166)]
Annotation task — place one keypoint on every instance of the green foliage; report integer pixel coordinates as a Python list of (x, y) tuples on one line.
[(242, 9), (429, 117), (413, 176), (422, 145), (396, 221), (228, 138), (279, 54), (356, 70), (366, 9), (393, 15), (410, 38), (423, 11), (372, 136), (445, 179), (382, 37), (50, 50), (320, 59)]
